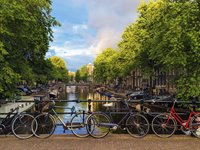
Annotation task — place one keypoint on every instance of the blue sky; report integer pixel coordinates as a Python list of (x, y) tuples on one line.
[(88, 27)]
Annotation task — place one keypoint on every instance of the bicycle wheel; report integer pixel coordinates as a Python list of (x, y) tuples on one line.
[(78, 125), (137, 125), (98, 125), (195, 126), (163, 125), (21, 126), (43, 126)]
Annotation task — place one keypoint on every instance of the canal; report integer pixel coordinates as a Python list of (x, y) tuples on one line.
[(75, 93)]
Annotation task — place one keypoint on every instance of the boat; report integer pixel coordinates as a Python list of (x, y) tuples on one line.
[(8, 106)]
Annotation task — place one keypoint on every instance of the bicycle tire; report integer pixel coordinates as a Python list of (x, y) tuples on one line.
[(195, 125), (96, 128), (45, 126), (137, 125), (160, 128), (78, 125), (21, 126)]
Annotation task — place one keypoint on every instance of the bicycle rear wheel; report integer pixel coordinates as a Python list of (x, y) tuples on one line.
[(78, 125), (43, 126), (195, 126), (137, 125), (21, 126), (98, 125), (163, 125)]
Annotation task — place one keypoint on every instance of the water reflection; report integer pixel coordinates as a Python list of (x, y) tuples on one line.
[(81, 93)]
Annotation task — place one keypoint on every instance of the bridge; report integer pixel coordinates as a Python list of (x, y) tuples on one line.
[(78, 84)]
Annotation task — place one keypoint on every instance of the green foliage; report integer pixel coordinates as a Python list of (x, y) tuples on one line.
[(57, 62), (166, 35), (102, 65), (59, 69), (170, 40), (82, 74), (25, 32), (77, 76)]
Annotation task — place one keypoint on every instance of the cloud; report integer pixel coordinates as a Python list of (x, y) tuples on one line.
[(88, 27), (74, 57), (75, 62), (67, 52), (78, 28), (109, 18)]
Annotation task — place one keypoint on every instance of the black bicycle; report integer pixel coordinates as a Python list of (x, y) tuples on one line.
[(44, 124), (99, 124), (17, 123)]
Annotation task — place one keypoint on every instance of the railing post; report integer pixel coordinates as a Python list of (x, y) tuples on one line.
[(89, 105)]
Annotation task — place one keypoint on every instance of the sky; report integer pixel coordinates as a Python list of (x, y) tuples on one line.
[(89, 27)]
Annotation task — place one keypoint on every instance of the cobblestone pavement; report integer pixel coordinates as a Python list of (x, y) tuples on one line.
[(111, 142)]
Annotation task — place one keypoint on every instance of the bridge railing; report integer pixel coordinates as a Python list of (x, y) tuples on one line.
[(38, 101)]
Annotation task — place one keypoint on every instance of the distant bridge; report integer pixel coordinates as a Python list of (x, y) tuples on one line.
[(79, 84)]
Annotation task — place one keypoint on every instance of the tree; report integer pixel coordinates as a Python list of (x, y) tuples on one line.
[(25, 32), (77, 76), (71, 76), (59, 68), (165, 36), (83, 73), (170, 33), (102, 66)]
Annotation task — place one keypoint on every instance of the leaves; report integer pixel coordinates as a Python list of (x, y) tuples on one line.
[(165, 36), (82, 74), (59, 69), (25, 32)]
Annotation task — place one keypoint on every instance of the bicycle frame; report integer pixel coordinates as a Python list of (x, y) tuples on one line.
[(178, 119), (66, 126), (127, 114), (6, 122)]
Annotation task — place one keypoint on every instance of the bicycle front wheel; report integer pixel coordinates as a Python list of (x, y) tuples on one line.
[(21, 126), (43, 126), (137, 125), (163, 125), (78, 125), (195, 126), (98, 125)]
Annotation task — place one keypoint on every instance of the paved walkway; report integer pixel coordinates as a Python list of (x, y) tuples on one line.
[(111, 142)]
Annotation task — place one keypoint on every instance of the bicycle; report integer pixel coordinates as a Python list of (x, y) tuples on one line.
[(46, 122), (99, 124), (79, 121), (17, 123), (164, 125)]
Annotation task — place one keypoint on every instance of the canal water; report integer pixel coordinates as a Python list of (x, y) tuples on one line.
[(74, 93)]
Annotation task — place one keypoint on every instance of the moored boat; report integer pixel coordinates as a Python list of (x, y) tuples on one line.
[(9, 105)]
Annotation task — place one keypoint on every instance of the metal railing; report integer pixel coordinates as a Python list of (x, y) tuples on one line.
[(38, 103)]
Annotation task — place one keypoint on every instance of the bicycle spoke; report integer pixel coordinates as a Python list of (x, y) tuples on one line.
[(160, 126)]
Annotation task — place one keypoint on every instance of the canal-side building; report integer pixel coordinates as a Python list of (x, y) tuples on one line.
[(159, 83)]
